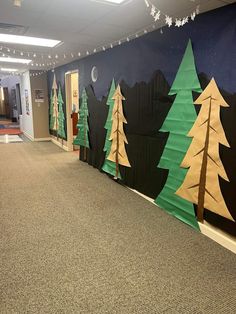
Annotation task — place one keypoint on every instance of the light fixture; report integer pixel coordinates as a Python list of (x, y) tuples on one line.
[(15, 60), (17, 3), (114, 1), (25, 40), (8, 70)]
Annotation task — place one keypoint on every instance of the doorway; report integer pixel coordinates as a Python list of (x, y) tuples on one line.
[(72, 106), (18, 100)]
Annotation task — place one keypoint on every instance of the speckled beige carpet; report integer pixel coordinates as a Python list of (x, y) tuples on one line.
[(74, 241)]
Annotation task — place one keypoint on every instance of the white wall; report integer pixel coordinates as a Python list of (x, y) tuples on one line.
[(27, 119)]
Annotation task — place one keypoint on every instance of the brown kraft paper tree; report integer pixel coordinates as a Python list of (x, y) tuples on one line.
[(201, 185), (118, 153)]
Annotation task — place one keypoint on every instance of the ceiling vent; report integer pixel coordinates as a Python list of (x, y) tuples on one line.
[(12, 29)]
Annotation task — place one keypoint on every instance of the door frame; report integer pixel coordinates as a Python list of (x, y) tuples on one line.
[(68, 94)]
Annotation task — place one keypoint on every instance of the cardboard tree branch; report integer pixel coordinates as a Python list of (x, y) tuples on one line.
[(118, 139), (178, 123), (201, 184), (55, 105), (82, 138), (61, 116)]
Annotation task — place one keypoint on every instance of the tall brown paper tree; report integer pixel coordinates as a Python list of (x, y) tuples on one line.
[(118, 153), (201, 184)]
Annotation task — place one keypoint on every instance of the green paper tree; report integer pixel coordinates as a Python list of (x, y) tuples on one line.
[(178, 123), (109, 166), (61, 116), (52, 119), (82, 126)]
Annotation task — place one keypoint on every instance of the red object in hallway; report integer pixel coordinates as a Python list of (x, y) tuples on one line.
[(74, 117), (10, 131)]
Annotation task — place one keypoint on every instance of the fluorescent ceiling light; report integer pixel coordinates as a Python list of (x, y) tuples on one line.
[(8, 70), (114, 1), (15, 60), (25, 40)]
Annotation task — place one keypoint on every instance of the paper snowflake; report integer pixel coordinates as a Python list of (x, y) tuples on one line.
[(157, 15), (178, 22), (153, 10), (168, 20), (197, 10), (193, 15)]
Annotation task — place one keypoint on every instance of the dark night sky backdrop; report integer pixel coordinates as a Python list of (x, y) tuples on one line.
[(213, 36)]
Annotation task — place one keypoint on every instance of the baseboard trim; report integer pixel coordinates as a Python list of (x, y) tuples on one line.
[(54, 141), (43, 139), (218, 236), (28, 136), (215, 234)]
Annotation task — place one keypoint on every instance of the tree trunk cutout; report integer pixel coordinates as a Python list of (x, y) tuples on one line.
[(201, 184), (118, 138)]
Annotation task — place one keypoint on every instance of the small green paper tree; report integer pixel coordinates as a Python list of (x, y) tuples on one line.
[(109, 166), (52, 119), (178, 123), (61, 116), (82, 138)]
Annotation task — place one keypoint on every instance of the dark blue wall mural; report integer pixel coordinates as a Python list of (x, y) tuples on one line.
[(146, 68), (213, 36)]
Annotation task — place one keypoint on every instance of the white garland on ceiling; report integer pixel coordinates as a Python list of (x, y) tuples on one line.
[(157, 14)]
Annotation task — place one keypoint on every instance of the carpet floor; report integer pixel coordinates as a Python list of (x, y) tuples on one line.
[(74, 241)]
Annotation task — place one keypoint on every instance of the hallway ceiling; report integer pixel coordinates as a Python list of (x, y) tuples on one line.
[(83, 25)]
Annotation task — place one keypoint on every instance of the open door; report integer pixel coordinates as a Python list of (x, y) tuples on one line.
[(72, 106), (6, 102)]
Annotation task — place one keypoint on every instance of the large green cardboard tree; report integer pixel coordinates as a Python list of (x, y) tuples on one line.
[(52, 119), (178, 123), (109, 166), (61, 116), (82, 138)]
